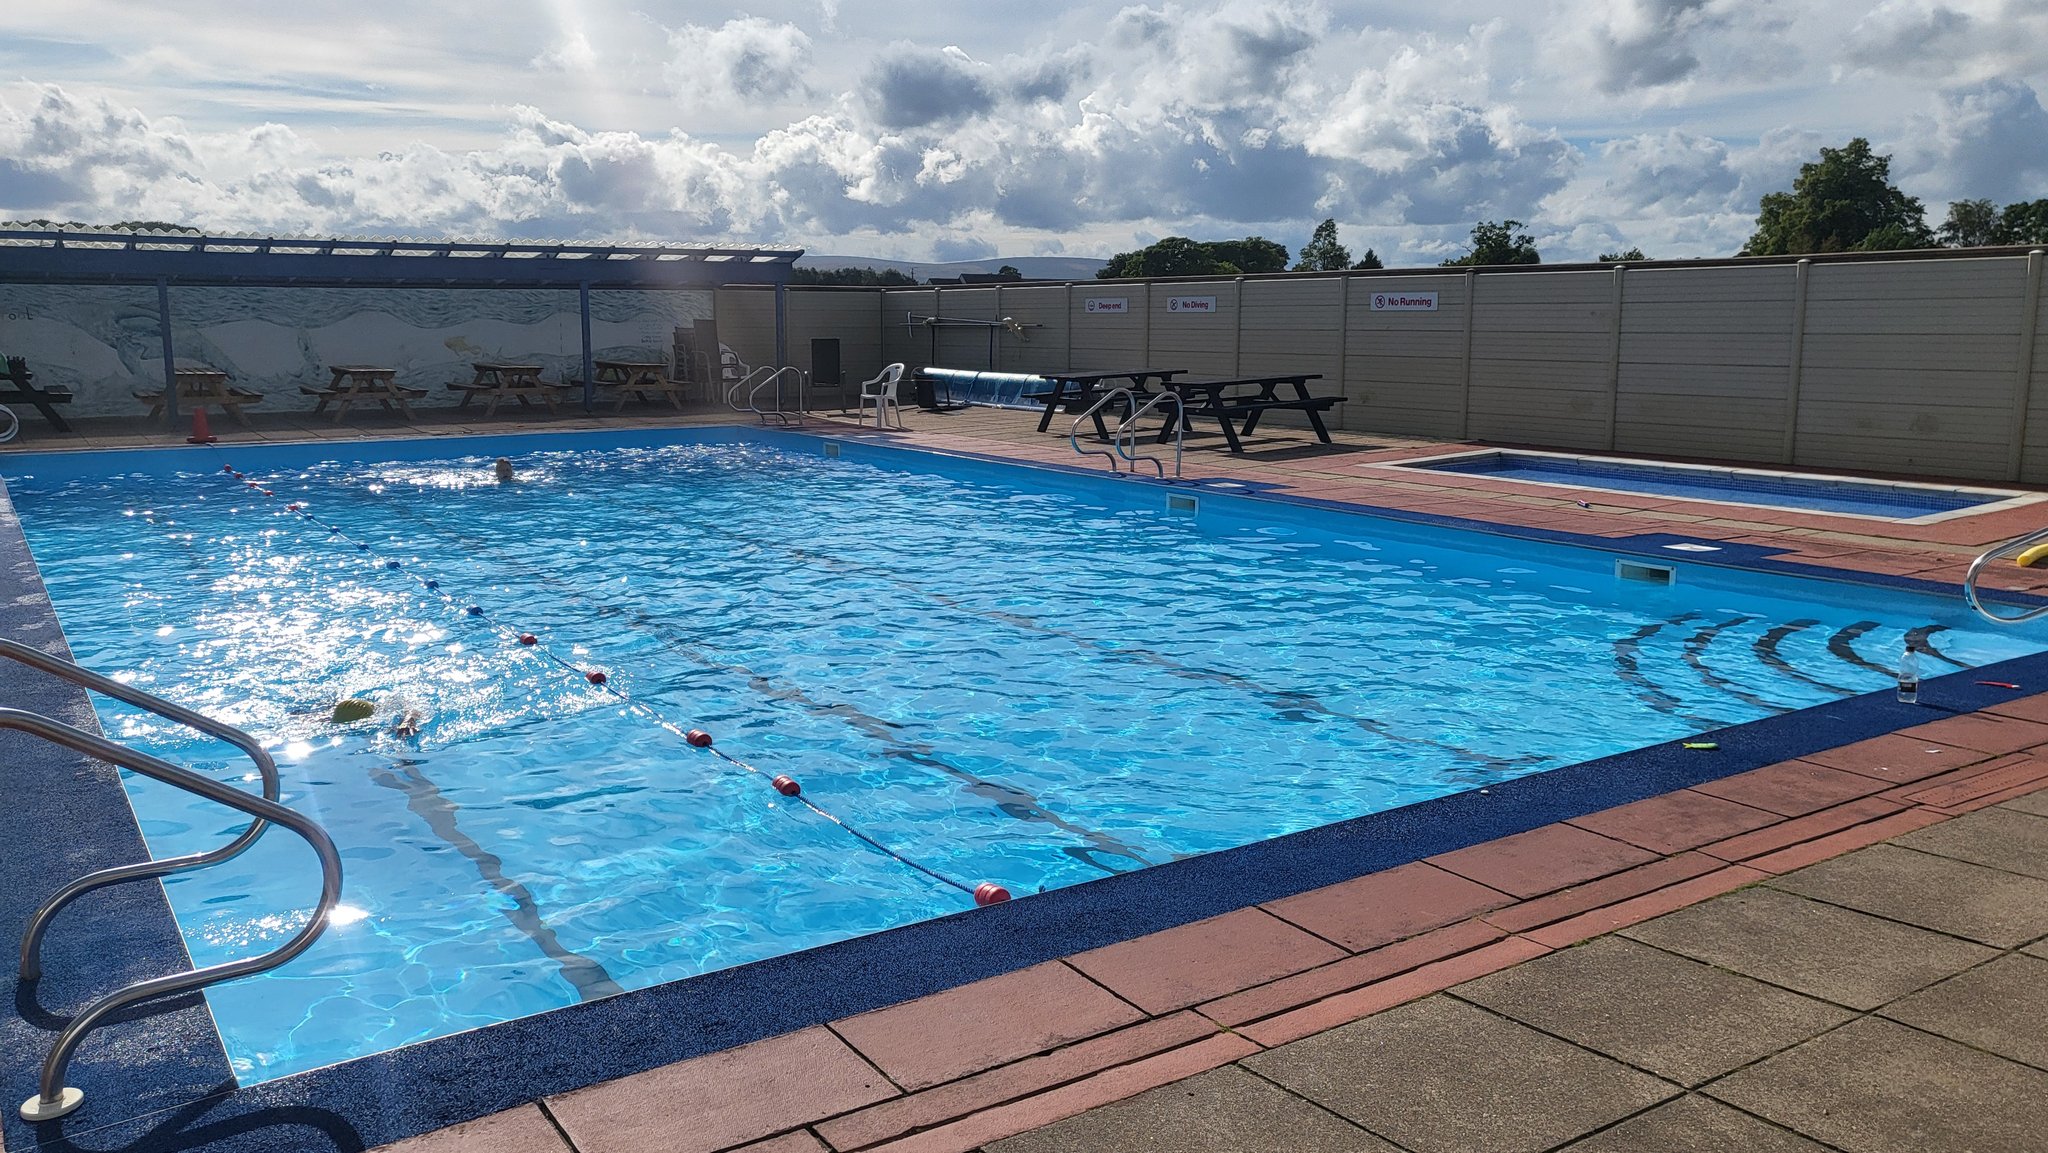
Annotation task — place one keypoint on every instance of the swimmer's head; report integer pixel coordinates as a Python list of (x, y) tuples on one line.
[(503, 467)]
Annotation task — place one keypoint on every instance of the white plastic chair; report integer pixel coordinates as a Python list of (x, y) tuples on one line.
[(881, 392)]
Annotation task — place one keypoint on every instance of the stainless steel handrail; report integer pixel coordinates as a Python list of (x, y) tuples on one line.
[(53, 1098), (39, 923), (732, 391), (778, 412), (1074, 433), (2017, 544), (13, 424), (1130, 426)]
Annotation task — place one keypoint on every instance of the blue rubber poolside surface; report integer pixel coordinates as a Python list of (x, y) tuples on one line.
[(1815, 494)]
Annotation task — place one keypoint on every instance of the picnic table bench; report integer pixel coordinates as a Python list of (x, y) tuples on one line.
[(18, 389), (1224, 401), (499, 381), (639, 377), (356, 383), (198, 387), (1078, 390)]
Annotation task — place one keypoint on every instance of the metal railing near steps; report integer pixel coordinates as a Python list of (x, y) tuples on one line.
[(2011, 547), (1074, 433), (1126, 441), (757, 379), (53, 1098)]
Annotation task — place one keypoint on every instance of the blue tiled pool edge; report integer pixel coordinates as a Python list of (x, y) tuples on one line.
[(179, 1099)]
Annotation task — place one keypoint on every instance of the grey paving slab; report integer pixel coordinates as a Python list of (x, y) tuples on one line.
[(1999, 838), (1836, 954), (2035, 803), (1441, 1076), (1225, 1110), (2037, 949), (1940, 893), (1658, 1011), (1694, 1124), (1874, 1086), (2002, 1007)]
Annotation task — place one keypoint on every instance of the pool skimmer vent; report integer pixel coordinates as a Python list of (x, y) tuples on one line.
[(1180, 503), (1652, 574), (832, 449)]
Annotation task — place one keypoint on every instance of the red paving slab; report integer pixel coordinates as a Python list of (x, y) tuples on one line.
[(1638, 909), (797, 1142), (1896, 758), (1848, 840), (1198, 962), (902, 1115), (1676, 821), (2033, 708), (1387, 906), (1542, 860), (724, 1099), (978, 1026), (1792, 788), (1988, 732), (1068, 1100), (1350, 973), (1605, 891), (1813, 825), (1345, 1008), (1977, 783)]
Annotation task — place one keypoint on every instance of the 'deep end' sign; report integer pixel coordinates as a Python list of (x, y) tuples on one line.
[(1114, 305)]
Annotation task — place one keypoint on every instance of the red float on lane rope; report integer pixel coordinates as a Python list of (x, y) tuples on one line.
[(528, 639), (699, 738), (594, 677), (990, 893), (786, 786)]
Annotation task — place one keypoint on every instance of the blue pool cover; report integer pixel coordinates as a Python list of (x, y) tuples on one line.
[(1814, 493)]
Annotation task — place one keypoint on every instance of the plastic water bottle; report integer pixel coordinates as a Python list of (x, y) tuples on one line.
[(1909, 676)]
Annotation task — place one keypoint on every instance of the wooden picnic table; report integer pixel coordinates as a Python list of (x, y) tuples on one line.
[(639, 377), (203, 386), (1074, 388), (1228, 400), (498, 381), (357, 383), (20, 388)]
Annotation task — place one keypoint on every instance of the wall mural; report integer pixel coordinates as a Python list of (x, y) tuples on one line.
[(104, 342)]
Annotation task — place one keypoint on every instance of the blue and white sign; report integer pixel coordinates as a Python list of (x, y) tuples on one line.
[(1191, 304), (1404, 302)]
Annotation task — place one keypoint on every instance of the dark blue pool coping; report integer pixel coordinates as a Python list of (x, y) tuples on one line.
[(161, 1081)]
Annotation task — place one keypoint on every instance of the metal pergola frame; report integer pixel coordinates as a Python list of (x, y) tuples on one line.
[(169, 257)]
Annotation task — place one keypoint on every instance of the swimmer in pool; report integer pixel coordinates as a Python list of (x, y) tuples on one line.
[(503, 468)]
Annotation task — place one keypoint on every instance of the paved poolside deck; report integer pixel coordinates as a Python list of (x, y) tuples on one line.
[(1843, 951)]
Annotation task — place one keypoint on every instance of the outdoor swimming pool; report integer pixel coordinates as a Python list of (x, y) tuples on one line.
[(1846, 496), (1003, 675)]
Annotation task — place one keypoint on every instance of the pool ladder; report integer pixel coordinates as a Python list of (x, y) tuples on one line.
[(2015, 545), (54, 1099), (763, 377), (1124, 441)]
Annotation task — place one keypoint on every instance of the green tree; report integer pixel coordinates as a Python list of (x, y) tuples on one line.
[(1840, 204), (864, 277), (2023, 223), (1498, 244), (1252, 254), (1179, 256), (1970, 224), (1322, 253), (1371, 259), (1619, 257), (1009, 272)]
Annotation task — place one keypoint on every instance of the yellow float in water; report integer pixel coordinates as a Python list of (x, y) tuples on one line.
[(2032, 556), (353, 709)]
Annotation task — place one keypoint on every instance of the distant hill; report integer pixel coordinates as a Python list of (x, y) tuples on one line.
[(1033, 267)]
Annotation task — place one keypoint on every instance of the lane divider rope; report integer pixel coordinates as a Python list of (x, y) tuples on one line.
[(985, 893)]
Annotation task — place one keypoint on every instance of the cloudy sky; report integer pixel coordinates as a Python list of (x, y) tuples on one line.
[(1062, 127)]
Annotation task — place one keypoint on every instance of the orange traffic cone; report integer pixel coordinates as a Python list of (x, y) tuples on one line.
[(200, 433)]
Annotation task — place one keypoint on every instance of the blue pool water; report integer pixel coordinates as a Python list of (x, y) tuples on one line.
[(1815, 493), (1003, 674)]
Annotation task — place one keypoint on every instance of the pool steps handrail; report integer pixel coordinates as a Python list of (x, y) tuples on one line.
[(54, 1099), (1074, 433), (778, 412), (2015, 545), (1129, 429)]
